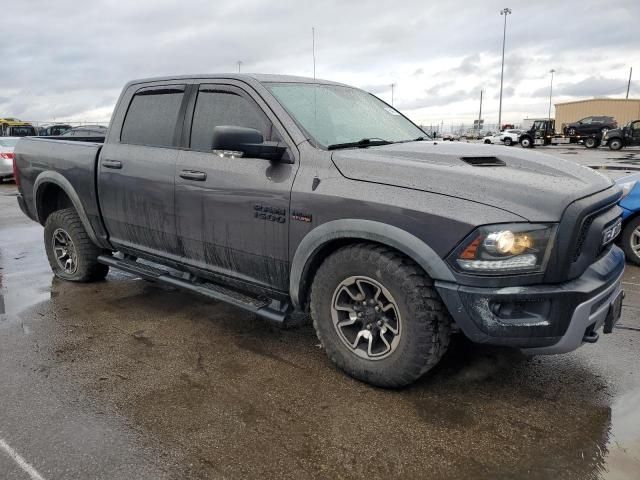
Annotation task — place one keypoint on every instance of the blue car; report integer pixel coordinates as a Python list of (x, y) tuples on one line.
[(630, 203)]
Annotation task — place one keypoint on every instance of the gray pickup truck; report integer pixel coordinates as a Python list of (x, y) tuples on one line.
[(284, 194)]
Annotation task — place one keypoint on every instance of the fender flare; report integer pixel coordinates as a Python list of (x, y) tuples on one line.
[(58, 179), (358, 229)]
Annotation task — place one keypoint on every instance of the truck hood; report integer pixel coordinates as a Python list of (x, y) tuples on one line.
[(534, 186)]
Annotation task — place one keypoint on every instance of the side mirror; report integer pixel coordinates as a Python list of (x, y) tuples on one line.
[(249, 141)]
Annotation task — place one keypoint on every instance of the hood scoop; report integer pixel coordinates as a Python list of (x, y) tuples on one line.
[(484, 161)]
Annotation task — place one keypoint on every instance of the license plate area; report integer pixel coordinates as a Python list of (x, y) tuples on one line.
[(613, 315)]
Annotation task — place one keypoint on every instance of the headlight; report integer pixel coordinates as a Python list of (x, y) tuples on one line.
[(505, 249), (627, 187)]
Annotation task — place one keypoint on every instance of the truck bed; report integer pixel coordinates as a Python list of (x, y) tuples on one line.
[(60, 160)]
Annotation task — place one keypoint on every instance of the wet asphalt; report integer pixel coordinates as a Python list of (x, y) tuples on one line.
[(125, 379)]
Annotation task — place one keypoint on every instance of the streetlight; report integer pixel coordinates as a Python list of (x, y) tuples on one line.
[(393, 85), (239, 64), (505, 12), (552, 71)]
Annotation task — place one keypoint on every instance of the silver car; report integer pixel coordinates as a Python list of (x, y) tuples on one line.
[(7, 144)]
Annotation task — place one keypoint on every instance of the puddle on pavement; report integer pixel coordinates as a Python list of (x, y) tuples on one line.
[(623, 460), (25, 277)]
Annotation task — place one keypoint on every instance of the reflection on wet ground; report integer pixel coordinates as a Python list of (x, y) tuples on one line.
[(213, 392)]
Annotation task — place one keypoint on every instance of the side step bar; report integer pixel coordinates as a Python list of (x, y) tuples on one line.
[(273, 310)]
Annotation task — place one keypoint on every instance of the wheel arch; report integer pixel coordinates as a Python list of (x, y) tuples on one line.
[(318, 244), (52, 192)]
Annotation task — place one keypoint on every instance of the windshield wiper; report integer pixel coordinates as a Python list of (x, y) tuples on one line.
[(365, 142)]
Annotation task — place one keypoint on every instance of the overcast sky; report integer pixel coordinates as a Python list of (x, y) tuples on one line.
[(68, 60)]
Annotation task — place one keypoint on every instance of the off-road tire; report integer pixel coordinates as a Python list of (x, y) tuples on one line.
[(86, 252), (625, 240), (426, 324)]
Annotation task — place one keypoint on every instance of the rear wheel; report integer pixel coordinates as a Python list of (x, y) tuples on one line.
[(508, 141), (71, 253), (378, 316), (571, 131), (591, 142), (615, 144), (630, 240), (487, 141)]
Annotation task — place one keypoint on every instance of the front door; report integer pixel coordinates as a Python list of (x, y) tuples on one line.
[(634, 132), (232, 213), (137, 172)]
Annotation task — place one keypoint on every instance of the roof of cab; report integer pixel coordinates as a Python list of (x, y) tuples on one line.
[(259, 77)]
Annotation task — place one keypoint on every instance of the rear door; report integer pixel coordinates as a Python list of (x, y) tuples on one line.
[(232, 212), (137, 170)]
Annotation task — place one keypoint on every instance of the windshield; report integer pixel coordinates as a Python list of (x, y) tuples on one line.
[(22, 131), (8, 142), (333, 114)]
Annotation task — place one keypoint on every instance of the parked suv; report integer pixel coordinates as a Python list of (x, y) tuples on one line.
[(280, 194), (590, 125)]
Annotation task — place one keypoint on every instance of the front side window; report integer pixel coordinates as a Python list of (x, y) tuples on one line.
[(215, 107), (587, 120), (152, 117), (335, 114)]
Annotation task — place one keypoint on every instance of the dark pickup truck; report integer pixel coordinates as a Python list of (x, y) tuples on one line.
[(627, 136), (283, 195)]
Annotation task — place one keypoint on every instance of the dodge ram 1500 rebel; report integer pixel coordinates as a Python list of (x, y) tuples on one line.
[(281, 194)]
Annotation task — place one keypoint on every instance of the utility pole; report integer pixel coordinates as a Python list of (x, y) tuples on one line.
[(629, 83), (552, 71), (480, 114), (505, 12), (239, 64), (393, 85), (313, 50)]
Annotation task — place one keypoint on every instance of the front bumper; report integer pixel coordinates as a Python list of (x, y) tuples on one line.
[(540, 319)]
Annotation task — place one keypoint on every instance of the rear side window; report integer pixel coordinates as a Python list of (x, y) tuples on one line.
[(220, 107), (152, 117)]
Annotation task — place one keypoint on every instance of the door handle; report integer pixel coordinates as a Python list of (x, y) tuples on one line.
[(112, 164), (193, 175)]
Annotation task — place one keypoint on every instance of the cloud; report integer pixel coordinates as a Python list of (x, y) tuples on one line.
[(593, 86), (70, 62)]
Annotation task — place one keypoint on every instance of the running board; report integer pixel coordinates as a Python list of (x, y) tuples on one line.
[(273, 310)]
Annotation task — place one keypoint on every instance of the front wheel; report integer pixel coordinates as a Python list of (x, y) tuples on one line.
[(615, 144), (378, 316), (71, 253), (630, 240), (526, 142)]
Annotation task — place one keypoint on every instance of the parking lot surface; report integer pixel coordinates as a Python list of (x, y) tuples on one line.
[(127, 379)]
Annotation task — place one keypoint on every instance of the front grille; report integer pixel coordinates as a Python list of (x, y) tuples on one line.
[(586, 232)]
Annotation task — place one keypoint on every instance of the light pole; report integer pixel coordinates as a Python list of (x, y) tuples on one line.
[(393, 85), (505, 12), (239, 64), (552, 71)]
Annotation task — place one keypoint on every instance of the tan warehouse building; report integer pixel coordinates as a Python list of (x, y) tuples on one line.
[(619, 108)]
